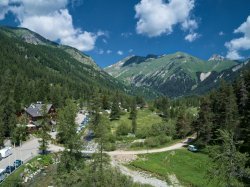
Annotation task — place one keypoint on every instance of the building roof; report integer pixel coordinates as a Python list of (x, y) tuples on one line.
[(35, 110)]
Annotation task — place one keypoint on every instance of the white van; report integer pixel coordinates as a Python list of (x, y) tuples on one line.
[(5, 152), (2, 175)]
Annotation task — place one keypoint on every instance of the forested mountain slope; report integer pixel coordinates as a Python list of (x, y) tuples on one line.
[(33, 68), (176, 74)]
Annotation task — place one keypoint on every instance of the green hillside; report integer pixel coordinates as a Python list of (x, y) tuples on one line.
[(42, 70), (173, 75)]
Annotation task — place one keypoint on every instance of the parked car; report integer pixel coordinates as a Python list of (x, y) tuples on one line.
[(17, 163), (5, 152), (2, 174), (9, 169), (192, 148)]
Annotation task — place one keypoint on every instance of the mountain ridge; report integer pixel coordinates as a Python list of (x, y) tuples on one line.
[(32, 37), (175, 75), (38, 57)]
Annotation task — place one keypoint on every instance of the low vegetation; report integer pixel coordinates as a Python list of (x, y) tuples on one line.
[(189, 168)]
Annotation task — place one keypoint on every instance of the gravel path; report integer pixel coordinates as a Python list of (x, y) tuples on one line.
[(164, 149), (139, 177)]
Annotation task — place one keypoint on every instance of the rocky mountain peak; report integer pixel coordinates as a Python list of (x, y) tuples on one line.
[(216, 57)]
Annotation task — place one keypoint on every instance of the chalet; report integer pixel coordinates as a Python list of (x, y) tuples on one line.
[(34, 111)]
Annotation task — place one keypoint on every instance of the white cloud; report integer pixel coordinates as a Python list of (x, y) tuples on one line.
[(221, 33), (130, 50), (126, 34), (108, 51), (101, 52), (52, 20), (189, 24), (192, 37), (3, 8), (233, 55), (156, 17), (120, 52), (243, 43)]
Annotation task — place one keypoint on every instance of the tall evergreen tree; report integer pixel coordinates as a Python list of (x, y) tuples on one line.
[(101, 132), (243, 96), (133, 116), (204, 123), (43, 131), (225, 110), (230, 165), (115, 109), (182, 125), (1, 128), (105, 102), (71, 156)]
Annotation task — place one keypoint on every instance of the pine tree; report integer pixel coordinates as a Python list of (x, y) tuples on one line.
[(105, 102), (225, 110), (102, 134), (115, 110), (67, 126), (133, 116), (1, 129), (43, 132), (229, 164), (71, 156), (204, 123), (244, 109), (182, 125)]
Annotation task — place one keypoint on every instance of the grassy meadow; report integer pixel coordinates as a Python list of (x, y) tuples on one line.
[(189, 168)]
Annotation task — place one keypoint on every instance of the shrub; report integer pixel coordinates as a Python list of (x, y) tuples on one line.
[(142, 133), (109, 147), (152, 142), (123, 129), (164, 139), (137, 144)]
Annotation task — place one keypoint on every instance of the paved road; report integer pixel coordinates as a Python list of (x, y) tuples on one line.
[(31, 148), (27, 151)]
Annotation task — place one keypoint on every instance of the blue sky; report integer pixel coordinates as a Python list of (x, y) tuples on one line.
[(113, 29)]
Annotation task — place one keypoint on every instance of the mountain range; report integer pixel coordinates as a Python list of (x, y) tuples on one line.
[(34, 57), (177, 74)]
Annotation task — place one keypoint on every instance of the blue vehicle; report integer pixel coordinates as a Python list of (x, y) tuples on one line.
[(17, 163), (9, 169)]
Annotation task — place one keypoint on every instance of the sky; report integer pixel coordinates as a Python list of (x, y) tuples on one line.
[(110, 30)]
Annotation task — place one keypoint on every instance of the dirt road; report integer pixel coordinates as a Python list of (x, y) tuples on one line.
[(164, 149), (137, 176)]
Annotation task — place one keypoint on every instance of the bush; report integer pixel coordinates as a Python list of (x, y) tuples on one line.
[(142, 133), (45, 160), (137, 144), (111, 138), (152, 142), (109, 147), (156, 129), (164, 139), (170, 128), (123, 129)]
